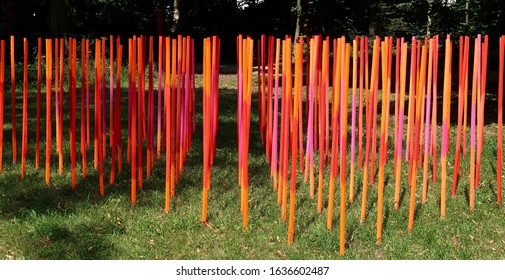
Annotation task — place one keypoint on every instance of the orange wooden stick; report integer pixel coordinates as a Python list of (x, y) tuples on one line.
[(401, 106), (83, 108), (445, 123), (384, 113), (296, 116), (343, 138), (49, 78), (133, 112)]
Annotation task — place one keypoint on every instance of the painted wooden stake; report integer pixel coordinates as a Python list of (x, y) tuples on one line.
[(434, 112), (39, 84), (295, 118), (401, 112), (83, 108), (427, 122), (167, 128), (49, 78), (362, 54), (353, 116), (24, 139), (499, 160), (369, 115), (445, 123), (481, 103), (13, 101), (384, 114), (2, 98), (346, 51), (133, 112), (274, 165)]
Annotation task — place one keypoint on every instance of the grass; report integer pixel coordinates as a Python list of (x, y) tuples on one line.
[(53, 222)]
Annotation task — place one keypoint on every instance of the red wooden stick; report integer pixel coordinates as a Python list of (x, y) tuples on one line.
[(24, 144), (98, 113), (140, 109), (117, 110), (2, 98), (72, 85), (49, 78)]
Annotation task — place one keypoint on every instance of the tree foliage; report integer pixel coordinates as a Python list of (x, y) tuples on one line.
[(92, 18)]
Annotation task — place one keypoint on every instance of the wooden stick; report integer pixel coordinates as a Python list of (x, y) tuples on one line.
[(427, 123), (337, 50), (72, 85), (111, 91), (2, 99), (37, 124), (445, 123), (150, 110), (161, 52), (274, 166), (384, 113), (49, 78), (24, 144), (482, 98), (401, 112), (58, 100), (269, 132), (168, 126), (343, 139), (98, 111), (369, 116), (295, 117), (13, 103), (353, 117), (83, 108), (117, 119), (88, 129), (434, 112), (461, 103), (499, 159), (206, 125), (361, 97), (375, 92), (133, 112), (140, 111)]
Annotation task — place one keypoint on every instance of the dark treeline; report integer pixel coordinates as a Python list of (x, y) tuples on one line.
[(227, 18)]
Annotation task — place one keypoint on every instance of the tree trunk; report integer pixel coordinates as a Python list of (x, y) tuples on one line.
[(467, 18), (298, 18), (428, 24), (175, 26)]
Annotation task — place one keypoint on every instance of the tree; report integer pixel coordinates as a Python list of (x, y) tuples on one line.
[(298, 12), (176, 17)]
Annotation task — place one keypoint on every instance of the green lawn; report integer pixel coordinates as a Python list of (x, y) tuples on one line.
[(53, 222)]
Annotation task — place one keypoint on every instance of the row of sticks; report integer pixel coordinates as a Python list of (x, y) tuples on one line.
[(353, 78), (176, 112)]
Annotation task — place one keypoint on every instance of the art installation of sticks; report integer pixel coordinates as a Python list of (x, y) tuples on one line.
[(339, 84)]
